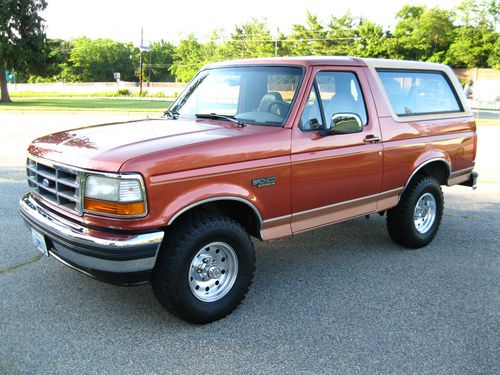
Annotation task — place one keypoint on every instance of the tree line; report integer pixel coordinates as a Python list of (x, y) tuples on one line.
[(465, 36)]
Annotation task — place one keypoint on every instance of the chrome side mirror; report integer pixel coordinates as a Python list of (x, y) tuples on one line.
[(344, 123)]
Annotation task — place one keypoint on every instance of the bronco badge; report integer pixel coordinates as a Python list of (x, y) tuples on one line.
[(264, 181)]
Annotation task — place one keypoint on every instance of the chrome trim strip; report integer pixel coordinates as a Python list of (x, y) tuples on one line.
[(423, 165), (223, 198), (56, 226), (59, 259), (105, 265)]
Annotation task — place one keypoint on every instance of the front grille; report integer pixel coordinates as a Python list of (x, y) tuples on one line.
[(55, 183)]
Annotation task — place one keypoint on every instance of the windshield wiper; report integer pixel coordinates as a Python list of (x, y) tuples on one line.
[(170, 114), (222, 117)]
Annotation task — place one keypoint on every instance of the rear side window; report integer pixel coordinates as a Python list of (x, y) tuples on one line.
[(419, 93)]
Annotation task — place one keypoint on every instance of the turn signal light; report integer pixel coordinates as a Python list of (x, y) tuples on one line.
[(115, 208)]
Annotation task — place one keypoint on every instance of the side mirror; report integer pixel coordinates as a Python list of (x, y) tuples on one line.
[(344, 123)]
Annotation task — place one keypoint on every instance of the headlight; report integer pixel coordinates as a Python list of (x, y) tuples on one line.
[(118, 196)]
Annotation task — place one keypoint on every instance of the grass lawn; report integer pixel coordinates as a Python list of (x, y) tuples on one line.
[(85, 104)]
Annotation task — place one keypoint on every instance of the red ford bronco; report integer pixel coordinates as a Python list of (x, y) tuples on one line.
[(264, 148)]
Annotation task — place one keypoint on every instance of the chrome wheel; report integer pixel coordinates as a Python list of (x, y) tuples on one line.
[(425, 213), (213, 271)]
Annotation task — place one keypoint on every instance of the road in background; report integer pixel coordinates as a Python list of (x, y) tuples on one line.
[(342, 299), (18, 128)]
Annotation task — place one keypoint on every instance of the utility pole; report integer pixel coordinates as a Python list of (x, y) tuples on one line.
[(149, 78), (276, 42), (140, 63)]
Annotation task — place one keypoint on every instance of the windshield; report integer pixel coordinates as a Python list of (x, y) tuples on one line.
[(261, 95)]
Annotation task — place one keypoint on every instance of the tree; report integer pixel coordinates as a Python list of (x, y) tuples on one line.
[(341, 35), (56, 54), (188, 59), (476, 39), (421, 34), (22, 37), (494, 59), (252, 39), (308, 39), (161, 57), (96, 60), (371, 40)]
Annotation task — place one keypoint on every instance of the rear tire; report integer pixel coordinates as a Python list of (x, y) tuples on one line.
[(205, 268), (414, 222)]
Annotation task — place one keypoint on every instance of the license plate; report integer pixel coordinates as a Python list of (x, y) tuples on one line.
[(39, 241)]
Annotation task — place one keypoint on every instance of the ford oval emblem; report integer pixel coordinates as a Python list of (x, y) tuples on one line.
[(45, 182)]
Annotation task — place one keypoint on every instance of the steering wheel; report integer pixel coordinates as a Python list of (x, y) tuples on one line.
[(278, 107)]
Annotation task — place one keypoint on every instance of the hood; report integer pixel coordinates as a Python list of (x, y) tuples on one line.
[(108, 147)]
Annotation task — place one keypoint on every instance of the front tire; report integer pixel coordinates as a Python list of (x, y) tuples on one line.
[(414, 222), (205, 267)]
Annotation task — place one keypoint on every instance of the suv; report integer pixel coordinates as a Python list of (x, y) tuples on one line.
[(264, 148)]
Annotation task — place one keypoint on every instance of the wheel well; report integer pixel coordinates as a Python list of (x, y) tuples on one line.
[(240, 212), (438, 169)]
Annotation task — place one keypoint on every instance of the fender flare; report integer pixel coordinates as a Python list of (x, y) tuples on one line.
[(215, 199), (423, 164)]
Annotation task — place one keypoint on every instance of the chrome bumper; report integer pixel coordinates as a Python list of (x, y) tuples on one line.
[(113, 257)]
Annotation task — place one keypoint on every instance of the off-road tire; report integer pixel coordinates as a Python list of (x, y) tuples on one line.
[(181, 245), (401, 222)]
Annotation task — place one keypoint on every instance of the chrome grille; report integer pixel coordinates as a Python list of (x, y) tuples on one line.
[(55, 183)]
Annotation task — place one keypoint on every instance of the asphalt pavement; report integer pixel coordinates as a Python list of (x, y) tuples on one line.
[(339, 300)]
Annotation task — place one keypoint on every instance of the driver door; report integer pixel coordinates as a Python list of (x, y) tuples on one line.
[(338, 176)]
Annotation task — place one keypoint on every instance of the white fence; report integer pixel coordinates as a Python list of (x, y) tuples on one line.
[(168, 89)]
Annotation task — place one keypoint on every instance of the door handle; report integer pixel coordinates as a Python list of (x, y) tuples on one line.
[(372, 139)]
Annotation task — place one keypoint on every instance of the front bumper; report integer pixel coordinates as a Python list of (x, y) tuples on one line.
[(119, 258)]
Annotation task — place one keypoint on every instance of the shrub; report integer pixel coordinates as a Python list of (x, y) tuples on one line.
[(124, 92)]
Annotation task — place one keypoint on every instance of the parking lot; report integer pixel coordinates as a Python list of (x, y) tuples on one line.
[(342, 299)]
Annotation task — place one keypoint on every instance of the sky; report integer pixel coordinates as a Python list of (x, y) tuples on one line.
[(122, 20)]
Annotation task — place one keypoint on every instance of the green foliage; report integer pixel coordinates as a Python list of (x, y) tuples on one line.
[(188, 59), (342, 35), (476, 40), (97, 60), (371, 42), (252, 39), (159, 60), (22, 38), (308, 39), (463, 37), (494, 59), (421, 34), (124, 92)]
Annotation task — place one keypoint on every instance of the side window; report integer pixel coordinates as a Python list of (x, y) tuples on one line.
[(311, 117), (340, 93), (418, 93)]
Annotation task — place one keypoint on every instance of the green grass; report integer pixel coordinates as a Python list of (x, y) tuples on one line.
[(85, 104)]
